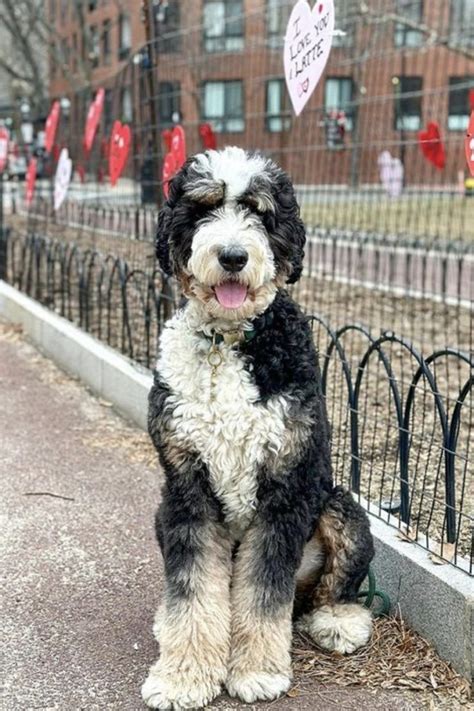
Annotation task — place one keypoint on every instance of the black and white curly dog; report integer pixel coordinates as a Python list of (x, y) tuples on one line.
[(252, 531)]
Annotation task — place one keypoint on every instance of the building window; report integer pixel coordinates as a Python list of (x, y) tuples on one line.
[(223, 26), (405, 34), (408, 103), (460, 89), (168, 102), (94, 47), (108, 110), (106, 42), (345, 24), (52, 10), (462, 23), (125, 36), (74, 58), (53, 64), (167, 27), (92, 5), (64, 53), (277, 14), (126, 105), (223, 106), (63, 11), (338, 97), (277, 112)]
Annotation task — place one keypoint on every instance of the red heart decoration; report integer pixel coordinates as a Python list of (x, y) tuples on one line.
[(119, 146), (469, 144), (166, 136), (4, 138), (208, 136), (30, 181), (175, 158), (432, 145), (52, 126), (93, 119), (178, 145), (471, 99)]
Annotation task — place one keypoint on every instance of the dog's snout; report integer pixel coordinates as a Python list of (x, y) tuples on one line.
[(233, 259)]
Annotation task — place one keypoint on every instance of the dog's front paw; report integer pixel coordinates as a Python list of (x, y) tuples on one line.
[(180, 690), (255, 686)]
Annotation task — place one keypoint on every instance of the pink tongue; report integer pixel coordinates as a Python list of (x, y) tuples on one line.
[(231, 295)]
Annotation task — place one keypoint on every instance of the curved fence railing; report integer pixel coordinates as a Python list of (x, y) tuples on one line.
[(402, 429)]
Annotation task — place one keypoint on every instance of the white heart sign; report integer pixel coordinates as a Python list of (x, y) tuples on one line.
[(62, 178), (308, 41), (391, 173)]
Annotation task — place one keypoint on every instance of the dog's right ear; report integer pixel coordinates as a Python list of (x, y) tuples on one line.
[(162, 245), (164, 229)]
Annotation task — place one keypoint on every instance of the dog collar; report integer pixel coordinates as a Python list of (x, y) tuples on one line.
[(231, 338)]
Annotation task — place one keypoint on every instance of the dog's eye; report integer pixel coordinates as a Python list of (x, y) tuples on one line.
[(203, 208), (252, 204)]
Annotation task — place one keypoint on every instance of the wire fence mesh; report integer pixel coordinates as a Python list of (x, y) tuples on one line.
[(389, 270)]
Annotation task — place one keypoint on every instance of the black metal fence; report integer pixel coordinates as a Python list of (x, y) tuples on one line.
[(388, 280), (402, 422)]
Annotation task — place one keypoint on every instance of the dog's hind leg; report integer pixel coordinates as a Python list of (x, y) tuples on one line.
[(328, 595)]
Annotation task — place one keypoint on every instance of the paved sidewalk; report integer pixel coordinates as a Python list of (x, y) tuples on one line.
[(81, 575)]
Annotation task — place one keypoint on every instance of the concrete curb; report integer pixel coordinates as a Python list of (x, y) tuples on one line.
[(437, 601)]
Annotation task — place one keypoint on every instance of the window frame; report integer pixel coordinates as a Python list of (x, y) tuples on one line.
[(173, 95), (168, 36), (399, 99), (123, 50), (452, 81), (284, 115), (404, 31), (350, 112), (106, 33), (226, 117), (213, 44), (458, 21)]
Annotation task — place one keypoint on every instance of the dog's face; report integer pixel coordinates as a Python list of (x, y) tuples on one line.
[(231, 232)]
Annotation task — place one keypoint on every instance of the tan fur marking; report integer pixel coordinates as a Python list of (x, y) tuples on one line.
[(338, 548), (195, 633), (260, 642)]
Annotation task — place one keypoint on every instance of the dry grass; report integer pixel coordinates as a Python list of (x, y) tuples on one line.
[(433, 217), (395, 658)]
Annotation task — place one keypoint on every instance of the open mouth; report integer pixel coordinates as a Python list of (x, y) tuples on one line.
[(231, 294)]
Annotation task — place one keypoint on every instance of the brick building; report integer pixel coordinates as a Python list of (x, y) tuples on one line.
[(96, 40), (394, 67)]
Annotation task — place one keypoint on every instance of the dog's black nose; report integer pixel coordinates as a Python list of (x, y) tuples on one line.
[(233, 259)]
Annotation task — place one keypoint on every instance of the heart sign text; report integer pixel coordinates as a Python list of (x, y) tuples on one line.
[(118, 150), (62, 178), (93, 119), (51, 126), (308, 41), (469, 144)]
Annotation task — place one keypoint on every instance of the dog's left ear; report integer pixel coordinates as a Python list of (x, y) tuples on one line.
[(290, 224)]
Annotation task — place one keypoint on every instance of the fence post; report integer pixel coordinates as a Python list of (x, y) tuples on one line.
[(3, 236)]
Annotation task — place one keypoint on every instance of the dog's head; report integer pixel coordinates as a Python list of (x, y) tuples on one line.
[(230, 232)]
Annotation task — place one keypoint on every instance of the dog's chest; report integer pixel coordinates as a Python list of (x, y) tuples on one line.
[(217, 415)]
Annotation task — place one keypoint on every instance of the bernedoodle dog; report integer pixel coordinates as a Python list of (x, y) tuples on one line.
[(253, 533)]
